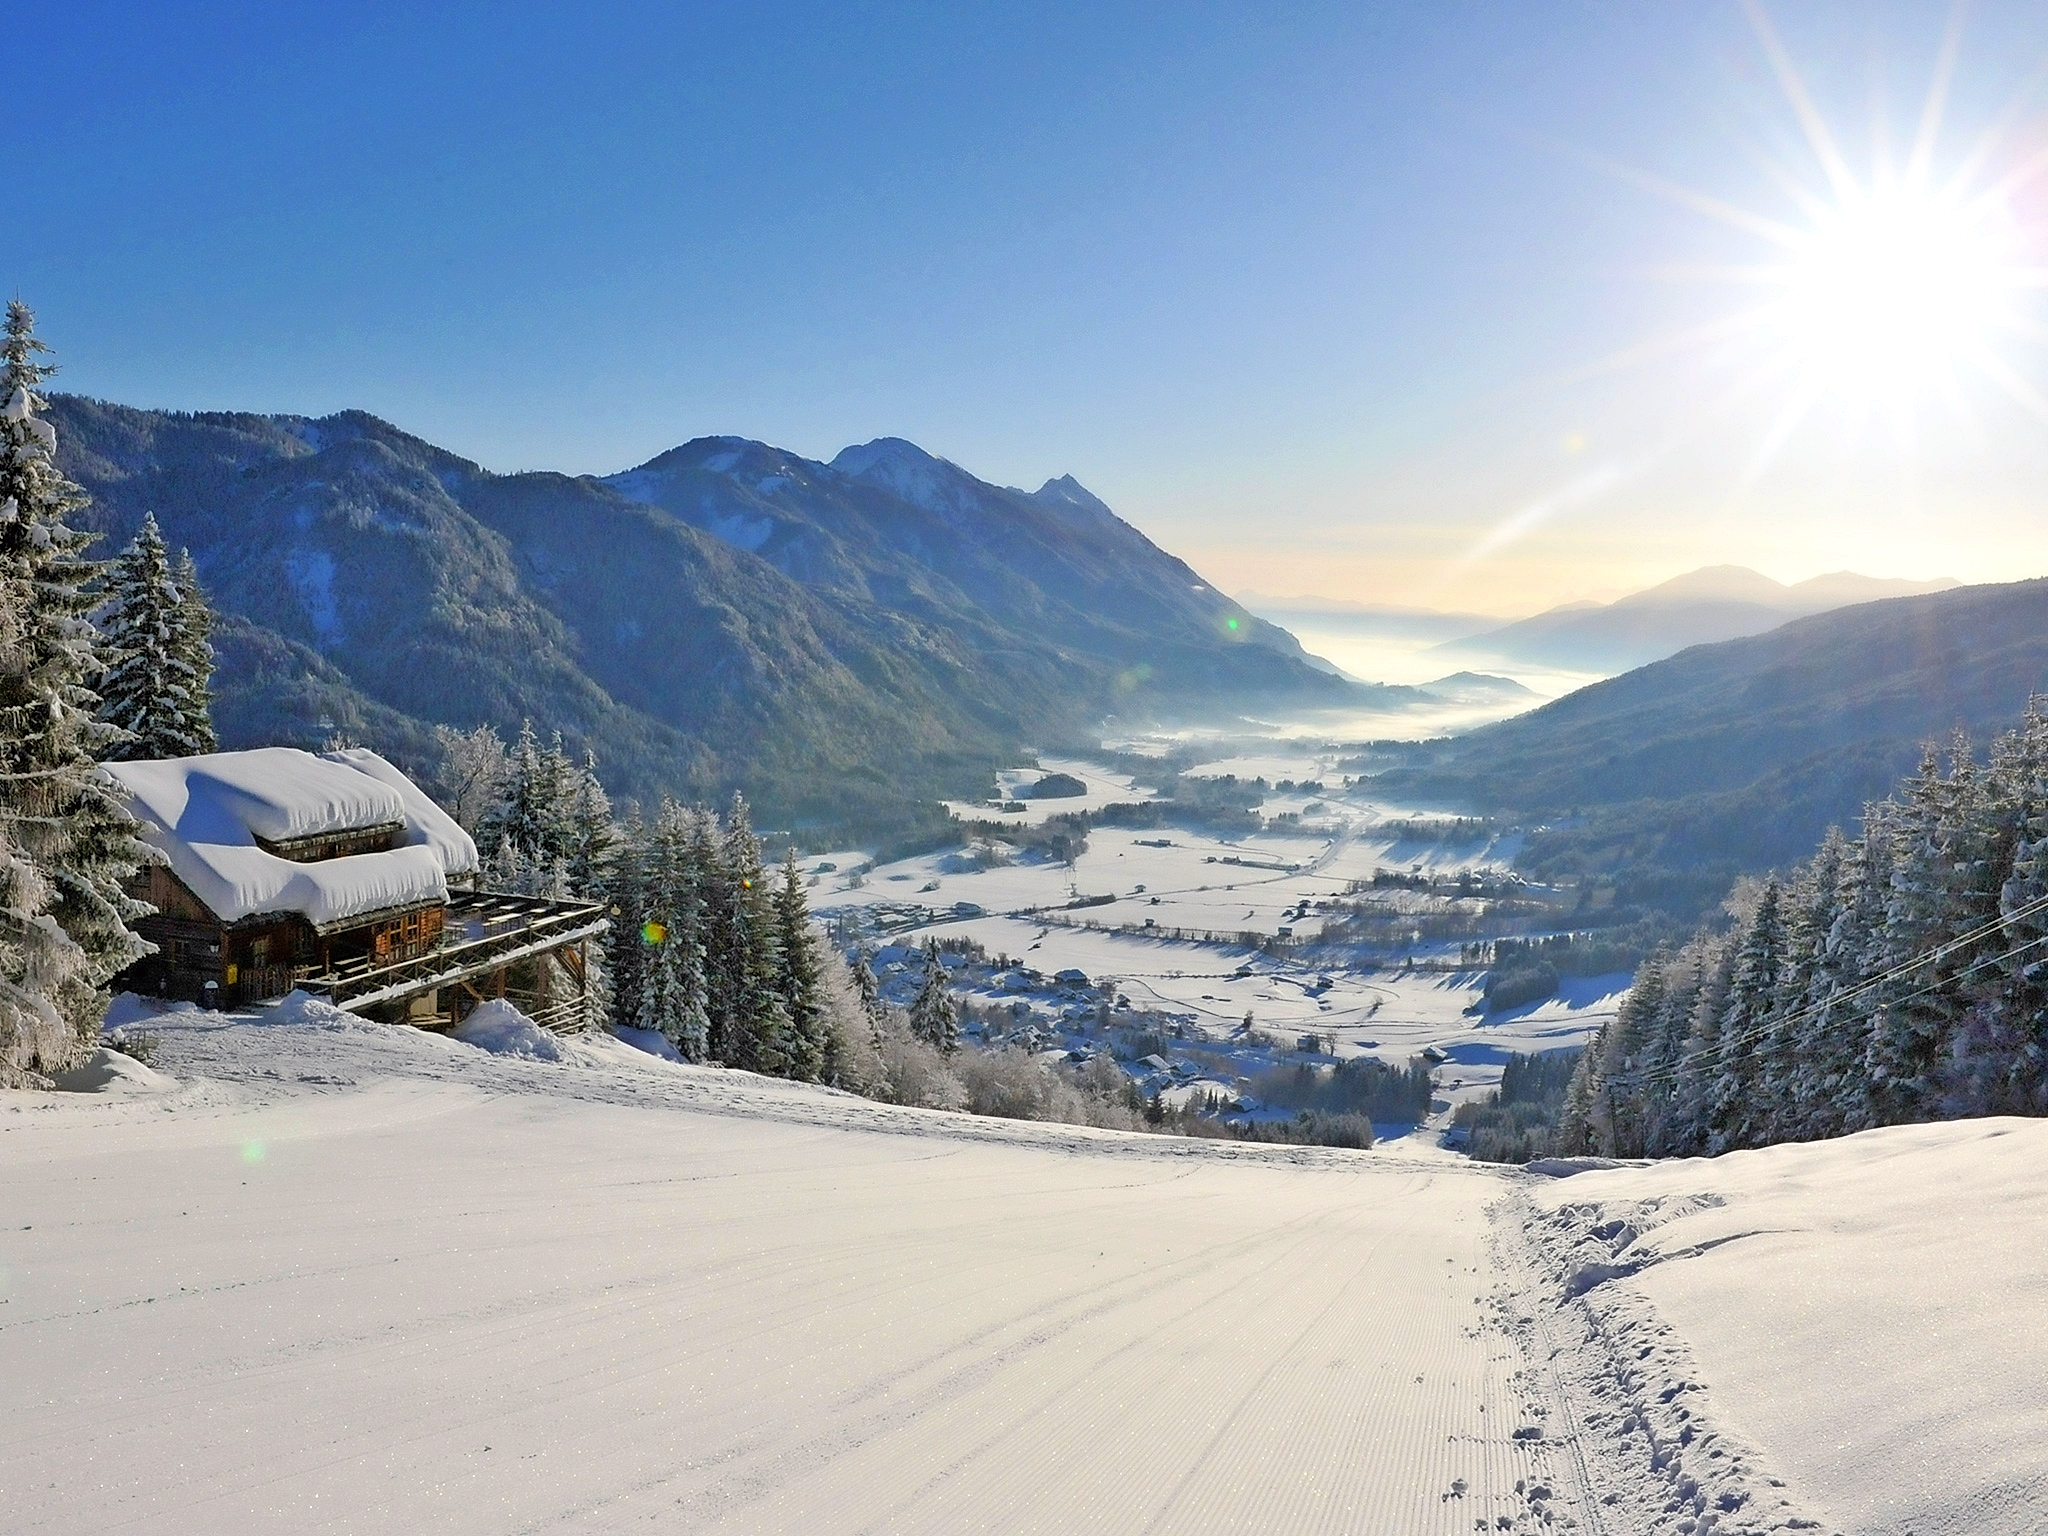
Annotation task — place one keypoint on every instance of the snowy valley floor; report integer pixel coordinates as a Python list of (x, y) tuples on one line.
[(340, 1277)]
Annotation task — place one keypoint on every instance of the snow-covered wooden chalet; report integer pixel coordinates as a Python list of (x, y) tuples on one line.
[(336, 874)]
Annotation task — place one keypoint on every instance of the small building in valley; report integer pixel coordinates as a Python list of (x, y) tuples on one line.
[(335, 874)]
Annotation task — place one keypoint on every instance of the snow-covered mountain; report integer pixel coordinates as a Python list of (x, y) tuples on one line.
[(844, 640)]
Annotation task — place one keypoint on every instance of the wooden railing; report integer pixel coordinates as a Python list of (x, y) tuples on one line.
[(484, 932)]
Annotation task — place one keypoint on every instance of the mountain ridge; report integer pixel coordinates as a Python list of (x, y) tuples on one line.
[(1704, 606), (1669, 780), (726, 615)]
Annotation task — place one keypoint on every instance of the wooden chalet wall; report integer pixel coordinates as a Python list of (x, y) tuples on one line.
[(259, 957)]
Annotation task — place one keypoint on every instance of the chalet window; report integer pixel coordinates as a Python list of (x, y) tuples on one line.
[(319, 846)]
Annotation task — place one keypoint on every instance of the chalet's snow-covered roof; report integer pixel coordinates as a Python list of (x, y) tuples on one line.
[(205, 814), (426, 824)]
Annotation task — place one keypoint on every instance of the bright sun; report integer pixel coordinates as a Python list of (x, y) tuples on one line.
[(1891, 291), (1886, 291)]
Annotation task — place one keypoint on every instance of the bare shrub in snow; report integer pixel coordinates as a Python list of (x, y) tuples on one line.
[(916, 1073)]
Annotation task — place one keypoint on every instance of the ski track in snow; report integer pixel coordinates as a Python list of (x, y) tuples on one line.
[(343, 1277)]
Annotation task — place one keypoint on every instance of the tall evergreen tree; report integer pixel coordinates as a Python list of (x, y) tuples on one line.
[(588, 828), (194, 649), (1813, 901), (626, 941), (2000, 1061), (73, 839), (869, 994), (672, 992), (155, 689), (534, 804), (1696, 1072), (932, 1018), (797, 976), (749, 1027), (1915, 1013), (1734, 1108)]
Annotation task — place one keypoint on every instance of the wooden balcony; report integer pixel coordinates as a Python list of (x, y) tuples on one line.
[(484, 932)]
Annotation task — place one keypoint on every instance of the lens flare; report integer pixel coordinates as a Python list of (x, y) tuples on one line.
[(652, 932)]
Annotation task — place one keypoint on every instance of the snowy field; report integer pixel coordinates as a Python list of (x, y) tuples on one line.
[(1103, 788), (1210, 890), (335, 1276)]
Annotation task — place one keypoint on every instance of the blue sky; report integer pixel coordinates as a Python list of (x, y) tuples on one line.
[(1312, 297)]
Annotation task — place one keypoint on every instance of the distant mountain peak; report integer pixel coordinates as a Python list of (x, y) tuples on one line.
[(1068, 496), (861, 459), (900, 466)]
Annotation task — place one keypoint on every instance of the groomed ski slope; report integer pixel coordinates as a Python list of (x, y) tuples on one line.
[(347, 1278)]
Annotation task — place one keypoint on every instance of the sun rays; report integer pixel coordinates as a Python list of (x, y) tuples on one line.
[(1881, 294)]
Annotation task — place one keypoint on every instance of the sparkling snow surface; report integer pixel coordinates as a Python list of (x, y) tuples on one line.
[(351, 1277), (1870, 1310), (337, 1276)]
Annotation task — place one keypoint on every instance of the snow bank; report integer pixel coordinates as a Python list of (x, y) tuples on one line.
[(503, 1030), (1864, 1312), (301, 1007), (652, 1041), (205, 814), (108, 1071)]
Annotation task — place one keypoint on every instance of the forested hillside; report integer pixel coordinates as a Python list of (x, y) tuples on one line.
[(842, 641), (1896, 975), (1660, 786)]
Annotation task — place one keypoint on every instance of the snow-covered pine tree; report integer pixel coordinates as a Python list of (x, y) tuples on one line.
[(748, 1020), (625, 944), (797, 975), (932, 1018), (672, 984), (1615, 1061), (533, 806), (194, 646), (588, 824), (153, 689), (1734, 1116), (869, 993), (2000, 1063), (1696, 1071), (66, 821), (1915, 1014), (1831, 1092), (1656, 1078), (1574, 1136), (38, 961), (1812, 902)]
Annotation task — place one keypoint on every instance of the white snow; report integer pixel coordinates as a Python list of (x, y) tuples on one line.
[(311, 573), (426, 824), (652, 1041), (109, 1071), (341, 1276), (205, 813), (355, 1277), (1104, 787), (1866, 1310), (496, 1026)]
